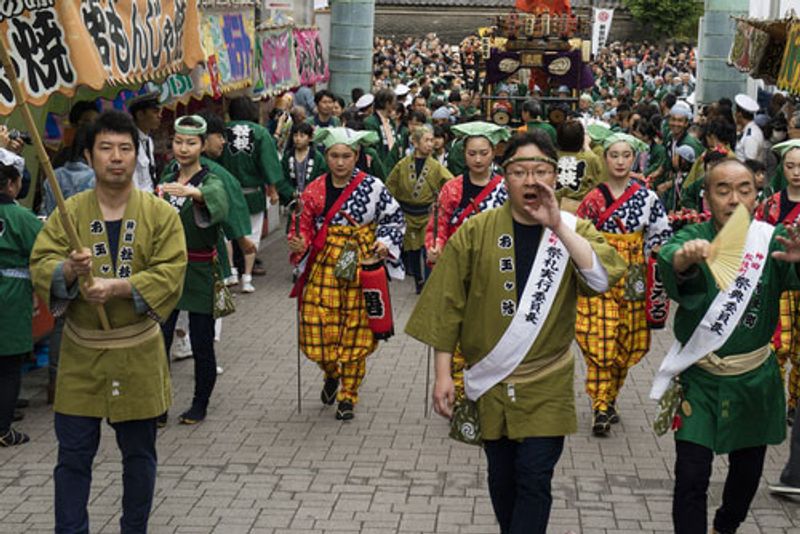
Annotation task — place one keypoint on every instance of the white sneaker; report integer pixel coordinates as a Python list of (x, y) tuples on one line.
[(247, 284), (233, 279), (220, 370), (181, 348)]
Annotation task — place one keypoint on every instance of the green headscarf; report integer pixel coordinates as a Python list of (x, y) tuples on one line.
[(598, 132), (636, 144), (344, 136), (786, 146), (494, 133)]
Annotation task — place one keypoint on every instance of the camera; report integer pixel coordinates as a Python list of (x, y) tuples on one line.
[(25, 137)]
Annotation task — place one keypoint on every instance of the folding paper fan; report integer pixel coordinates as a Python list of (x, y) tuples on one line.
[(725, 255)]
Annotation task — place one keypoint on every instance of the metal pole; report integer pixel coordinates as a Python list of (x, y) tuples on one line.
[(299, 363), (428, 382)]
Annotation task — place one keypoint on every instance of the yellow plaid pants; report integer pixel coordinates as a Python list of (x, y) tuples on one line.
[(334, 328), (786, 342), (611, 331)]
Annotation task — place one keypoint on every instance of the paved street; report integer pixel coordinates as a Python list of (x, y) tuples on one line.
[(256, 465)]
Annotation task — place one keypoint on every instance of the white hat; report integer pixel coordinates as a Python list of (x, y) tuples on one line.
[(365, 101), (745, 103), (441, 113), (12, 160), (686, 152), (401, 90), (681, 109)]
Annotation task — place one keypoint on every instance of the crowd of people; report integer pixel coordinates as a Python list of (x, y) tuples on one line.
[(521, 238)]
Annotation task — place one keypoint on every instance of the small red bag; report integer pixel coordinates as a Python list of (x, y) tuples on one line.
[(375, 287)]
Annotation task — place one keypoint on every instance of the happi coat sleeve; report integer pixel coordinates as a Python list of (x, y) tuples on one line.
[(237, 222), (120, 384)]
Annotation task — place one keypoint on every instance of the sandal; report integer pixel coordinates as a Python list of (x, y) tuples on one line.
[(13, 437), (192, 416), (344, 412), (328, 395)]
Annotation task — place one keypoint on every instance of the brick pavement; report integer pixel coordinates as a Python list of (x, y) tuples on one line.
[(257, 466)]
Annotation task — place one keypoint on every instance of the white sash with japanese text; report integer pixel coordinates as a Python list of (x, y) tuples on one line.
[(723, 315), (540, 291)]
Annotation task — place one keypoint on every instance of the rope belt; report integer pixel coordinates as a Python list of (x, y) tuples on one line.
[(249, 190), (735, 365), (20, 273), (117, 338)]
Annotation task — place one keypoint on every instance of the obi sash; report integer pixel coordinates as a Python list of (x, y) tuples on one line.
[(540, 291), (117, 338), (724, 314), (202, 256), (735, 364)]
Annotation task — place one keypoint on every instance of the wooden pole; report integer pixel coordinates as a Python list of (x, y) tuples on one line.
[(44, 160)]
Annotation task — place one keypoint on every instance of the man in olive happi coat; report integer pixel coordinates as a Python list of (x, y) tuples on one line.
[(137, 256), (505, 288)]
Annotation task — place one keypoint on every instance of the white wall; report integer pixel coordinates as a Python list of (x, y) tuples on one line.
[(763, 9)]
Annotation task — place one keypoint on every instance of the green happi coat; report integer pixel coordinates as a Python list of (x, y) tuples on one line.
[(202, 226), (251, 156), (416, 195), (121, 384), (18, 230), (315, 160), (462, 302), (668, 197), (372, 162), (237, 223), (731, 412), (456, 161), (389, 158)]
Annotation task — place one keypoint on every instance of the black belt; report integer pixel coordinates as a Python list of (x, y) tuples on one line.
[(415, 209)]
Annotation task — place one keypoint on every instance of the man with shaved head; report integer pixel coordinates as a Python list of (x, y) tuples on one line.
[(721, 368)]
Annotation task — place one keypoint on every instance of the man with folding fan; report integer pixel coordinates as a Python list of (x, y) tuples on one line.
[(720, 379)]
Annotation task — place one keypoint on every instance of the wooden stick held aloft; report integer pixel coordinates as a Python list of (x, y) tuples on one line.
[(44, 160)]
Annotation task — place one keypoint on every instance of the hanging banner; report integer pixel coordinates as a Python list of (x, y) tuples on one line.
[(601, 26), (228, 40), (789, 74), (276, 67), (311, 65), (58, 46)]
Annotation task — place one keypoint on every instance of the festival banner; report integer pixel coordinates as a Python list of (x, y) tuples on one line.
[(58, 46), (276, 67), (228, 39), (601, 26), (789, 74), (311, 65)]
